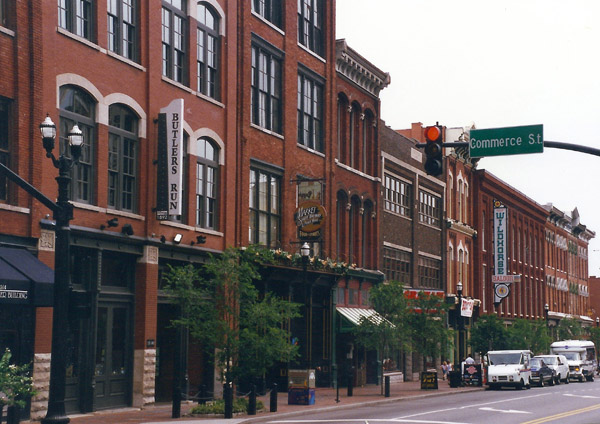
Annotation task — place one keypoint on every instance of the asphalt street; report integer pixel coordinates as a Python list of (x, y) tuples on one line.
[(575, 403)]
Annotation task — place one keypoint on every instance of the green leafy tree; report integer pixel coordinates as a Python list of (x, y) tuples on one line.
[(528, 334), (386, 331), (489, 333), (569, 329), (16, 384), (427, 321), (222, 308), (595, 336)]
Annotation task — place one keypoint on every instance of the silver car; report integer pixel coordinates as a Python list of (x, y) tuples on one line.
[(560, 366)]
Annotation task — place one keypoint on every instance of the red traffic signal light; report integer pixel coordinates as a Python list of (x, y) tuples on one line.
[(433, 150)]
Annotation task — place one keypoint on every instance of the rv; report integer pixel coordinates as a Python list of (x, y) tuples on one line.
[(581, 355)]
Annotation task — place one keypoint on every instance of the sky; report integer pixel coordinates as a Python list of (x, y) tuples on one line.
[(495, 63)]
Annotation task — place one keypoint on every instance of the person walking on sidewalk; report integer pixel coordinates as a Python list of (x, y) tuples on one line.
[(444, 370)]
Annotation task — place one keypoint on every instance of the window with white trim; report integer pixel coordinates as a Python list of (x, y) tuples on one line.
[(397, 195), (122, 30), (429, 208), (174, 40), (76, 16)]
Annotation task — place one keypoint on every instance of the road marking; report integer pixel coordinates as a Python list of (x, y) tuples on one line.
[(581, 396), (506, 411), (370, 420), (562, 415)]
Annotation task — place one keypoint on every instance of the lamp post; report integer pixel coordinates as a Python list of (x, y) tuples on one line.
[(459, 292), (546, 311), (63, 213), (597, 322)]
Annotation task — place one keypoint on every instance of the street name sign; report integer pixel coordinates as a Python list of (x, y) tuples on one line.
[(506, 141)]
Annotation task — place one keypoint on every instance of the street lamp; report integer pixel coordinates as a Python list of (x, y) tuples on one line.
[(597, 322), (63, 213), (459, 292)]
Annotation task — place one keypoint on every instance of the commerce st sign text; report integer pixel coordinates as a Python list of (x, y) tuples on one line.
[(506, 141)]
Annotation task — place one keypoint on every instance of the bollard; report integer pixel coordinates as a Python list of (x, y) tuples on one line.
[(203, 395), (13, 415), (228, 397), (252, 401), (350, 383), (387, 385), (273, 405)]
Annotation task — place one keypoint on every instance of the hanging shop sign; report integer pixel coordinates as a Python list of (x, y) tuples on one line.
[(500, 250), (310, 216)]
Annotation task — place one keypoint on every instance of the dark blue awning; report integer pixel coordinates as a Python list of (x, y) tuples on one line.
[(24, 279)]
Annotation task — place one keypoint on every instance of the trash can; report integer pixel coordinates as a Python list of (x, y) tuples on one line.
[(454, 378)]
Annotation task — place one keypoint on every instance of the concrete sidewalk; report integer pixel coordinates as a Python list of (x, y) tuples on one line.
[(325, 399)]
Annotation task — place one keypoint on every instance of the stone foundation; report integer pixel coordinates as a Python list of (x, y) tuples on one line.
[(41, 383), (144, 377)]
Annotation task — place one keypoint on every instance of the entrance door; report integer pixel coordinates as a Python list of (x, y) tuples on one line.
[(113, 353)]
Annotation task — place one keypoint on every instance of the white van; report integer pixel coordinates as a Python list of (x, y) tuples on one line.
[(508, 368), (581, 355)]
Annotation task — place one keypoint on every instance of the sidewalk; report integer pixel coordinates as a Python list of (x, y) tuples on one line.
[(325, 398)]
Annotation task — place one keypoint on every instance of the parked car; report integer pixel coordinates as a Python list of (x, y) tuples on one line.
[(560, 365), (540, 372)]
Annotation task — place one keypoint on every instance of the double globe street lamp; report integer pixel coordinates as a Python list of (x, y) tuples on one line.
[(63, 213)]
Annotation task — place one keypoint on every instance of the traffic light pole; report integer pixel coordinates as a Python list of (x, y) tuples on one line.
[(552, 144)]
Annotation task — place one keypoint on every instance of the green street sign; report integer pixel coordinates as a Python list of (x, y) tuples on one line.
[(506, 141)]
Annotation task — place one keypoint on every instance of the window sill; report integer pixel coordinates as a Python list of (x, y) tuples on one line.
[(80, 39), (308, 149), (126, 61), (7, 31), (399, 215), (107, 211), (356, 171), (309, 51), (12, 208), (271, 24), (191, 228), (266, 131)]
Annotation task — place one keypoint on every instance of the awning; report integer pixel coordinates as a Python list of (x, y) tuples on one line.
[(355, 314), (24, 279)]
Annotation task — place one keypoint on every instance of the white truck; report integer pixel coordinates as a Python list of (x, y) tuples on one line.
[(508, 368), (581, 355)]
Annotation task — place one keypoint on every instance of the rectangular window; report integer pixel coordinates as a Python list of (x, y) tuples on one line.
[(265, 208), (396, 265), (268, 9), (206, 196), (310, 113), (81, 183), (429, 208), (397, 196), (430, 273), (4, 147), (122, 28), (266, 88), (364, 297), (352, 297), (310, 25), (76, 16), (173, 40), (341, 296)]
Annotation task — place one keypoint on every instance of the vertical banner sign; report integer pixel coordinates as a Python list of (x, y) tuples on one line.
[(162, 177), (500, 247), (310, 214), (174, 134)]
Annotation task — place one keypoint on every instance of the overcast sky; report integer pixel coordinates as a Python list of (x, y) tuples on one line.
[(495, 64)]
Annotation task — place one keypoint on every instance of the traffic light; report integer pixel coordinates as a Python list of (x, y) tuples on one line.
[(433, 150)]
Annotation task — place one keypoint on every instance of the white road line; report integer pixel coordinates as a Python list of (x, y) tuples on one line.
[(474, 406), (388, 420), (581, 396), (505, 411)]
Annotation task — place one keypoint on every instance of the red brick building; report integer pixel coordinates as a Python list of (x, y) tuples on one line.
[(524, 249), (275, 113), (568, 292)]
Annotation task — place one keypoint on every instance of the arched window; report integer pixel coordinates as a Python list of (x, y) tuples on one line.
[(342, 128), (354, 230), (122, 158), (207, 173), (368, 236), (461, 260), (354, 141), (78, 107), (208, 51), (341, 230), (459, 197), (369, 147)]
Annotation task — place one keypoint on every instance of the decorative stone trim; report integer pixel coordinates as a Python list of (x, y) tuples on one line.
[(144, 377), (359, 70), (41, 383)]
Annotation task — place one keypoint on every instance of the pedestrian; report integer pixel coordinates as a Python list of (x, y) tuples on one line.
[(444, 370), (469, 360)]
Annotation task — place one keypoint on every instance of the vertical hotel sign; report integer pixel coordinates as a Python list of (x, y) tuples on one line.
[(501, 290), (170, 160)]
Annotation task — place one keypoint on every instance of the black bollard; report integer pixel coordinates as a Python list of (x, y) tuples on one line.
[(252, 401), (387, 385), (273, 405), (350, 385), (203, 395), (228, 397), (13, 415)]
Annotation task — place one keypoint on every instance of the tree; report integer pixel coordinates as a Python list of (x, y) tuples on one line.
[(595, 336), (386, 331), (16, 383), (527, 334), (427, 321), (222, 308), (569, 329), (488, 333)]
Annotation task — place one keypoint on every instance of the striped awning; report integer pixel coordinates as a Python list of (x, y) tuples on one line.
[(355, 314)]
